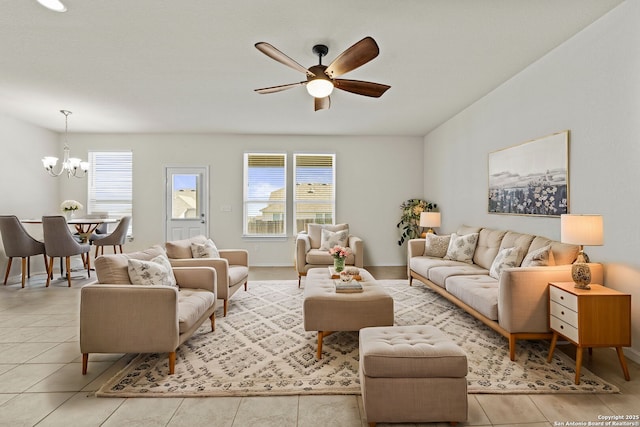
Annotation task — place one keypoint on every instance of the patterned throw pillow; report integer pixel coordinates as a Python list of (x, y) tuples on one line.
[(207, 249), (436, 246), (539, 258), (462, 248), (158, 271), (506, 258), (329, 239)]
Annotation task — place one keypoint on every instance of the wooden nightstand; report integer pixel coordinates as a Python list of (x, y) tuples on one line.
[(600, 317)]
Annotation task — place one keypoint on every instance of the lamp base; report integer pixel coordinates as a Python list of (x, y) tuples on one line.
[(581, 275), (429, 231)]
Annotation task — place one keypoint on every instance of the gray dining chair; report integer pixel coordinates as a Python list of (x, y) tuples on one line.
[(59, 242), (19, 243), (116, 238)]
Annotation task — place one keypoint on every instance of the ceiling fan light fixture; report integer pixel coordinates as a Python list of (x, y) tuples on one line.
[(55, 5), (319, 87)]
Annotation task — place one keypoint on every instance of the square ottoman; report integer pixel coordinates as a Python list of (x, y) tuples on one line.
[(412, 374)]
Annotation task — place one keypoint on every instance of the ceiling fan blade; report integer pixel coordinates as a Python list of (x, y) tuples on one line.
[(280, 88), (275, 54), (358, 54), (359, 87), (321, 103)]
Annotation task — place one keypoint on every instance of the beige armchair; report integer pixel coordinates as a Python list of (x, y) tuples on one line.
[(232, 266), (309, 253), (118, 317)]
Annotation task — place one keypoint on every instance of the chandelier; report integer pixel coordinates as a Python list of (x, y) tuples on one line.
[(73, 166)]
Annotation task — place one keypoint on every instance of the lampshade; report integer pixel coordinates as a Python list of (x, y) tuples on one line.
[(585, 230), (319, 87), (430, 219)]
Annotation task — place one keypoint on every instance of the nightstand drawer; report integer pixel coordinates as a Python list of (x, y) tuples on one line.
[(564, 328), (565, 314), (565, 298)]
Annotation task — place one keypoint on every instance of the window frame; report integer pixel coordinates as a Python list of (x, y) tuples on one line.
[(94, 203), (246, 202), (330, 201)]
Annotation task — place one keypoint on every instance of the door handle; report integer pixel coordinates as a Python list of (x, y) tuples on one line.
[(202, 221)]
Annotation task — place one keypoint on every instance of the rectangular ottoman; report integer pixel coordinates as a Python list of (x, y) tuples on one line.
[(412, 374), (326, 311)]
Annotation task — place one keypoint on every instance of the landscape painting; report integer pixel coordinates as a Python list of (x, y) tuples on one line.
[(531, 178)]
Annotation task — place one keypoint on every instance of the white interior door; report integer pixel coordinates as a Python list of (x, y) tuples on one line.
[(187, 202)]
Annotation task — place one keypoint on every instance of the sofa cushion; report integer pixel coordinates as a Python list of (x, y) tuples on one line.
[(329, 239), (436, 246), (192, 304), (540, 257), (156, 271), (467, 229), (113, 268), (487, 248), (207, 249), (237, 273), (422, 264), (315, 232), (321, 257), (480, 292), (517, 240), (180, 249), (439, 275), (462, 248), (506, 258), (563, 253)]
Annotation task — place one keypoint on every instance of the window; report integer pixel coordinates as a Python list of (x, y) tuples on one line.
[(265, 194), (314, 195), (111, 183)]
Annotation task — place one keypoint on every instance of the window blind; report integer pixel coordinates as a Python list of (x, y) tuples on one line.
[(314, 195), (265, 194)]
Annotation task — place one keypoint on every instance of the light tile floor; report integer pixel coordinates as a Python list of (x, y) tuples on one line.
[(41, 382)]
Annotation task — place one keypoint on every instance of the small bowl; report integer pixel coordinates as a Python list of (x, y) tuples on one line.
[(345, 277)]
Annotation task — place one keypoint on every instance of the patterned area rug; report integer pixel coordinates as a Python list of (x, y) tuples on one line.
[(261, 348)]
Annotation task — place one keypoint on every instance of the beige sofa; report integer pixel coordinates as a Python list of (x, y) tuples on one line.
[(515, 304), (309, 254), (232, 266), (118, 317)]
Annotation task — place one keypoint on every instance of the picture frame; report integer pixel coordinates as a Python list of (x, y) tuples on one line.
[(531, 178)]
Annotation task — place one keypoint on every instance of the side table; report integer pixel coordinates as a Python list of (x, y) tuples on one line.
[(599, 317)]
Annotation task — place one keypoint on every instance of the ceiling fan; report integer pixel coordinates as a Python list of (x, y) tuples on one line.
[(321, 79)]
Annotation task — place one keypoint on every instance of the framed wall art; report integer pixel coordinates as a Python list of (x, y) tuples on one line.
[(531, 178)]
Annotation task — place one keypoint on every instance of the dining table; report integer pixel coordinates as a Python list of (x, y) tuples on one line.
[(84, 226)]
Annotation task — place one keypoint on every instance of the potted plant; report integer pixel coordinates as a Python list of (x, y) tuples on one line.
[(410, 219)]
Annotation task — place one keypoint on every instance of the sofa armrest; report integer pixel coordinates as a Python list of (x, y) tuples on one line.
[(357, 248), (235, 256), (196, 278), (221, 265), (303, 245), (128, 318), (415, 247), (523, 295)]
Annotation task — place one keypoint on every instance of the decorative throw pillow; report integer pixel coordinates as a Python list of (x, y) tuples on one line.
[(207, 249), (158, 271), (462, 248), (539, 258), (436, 246), (506, 258), (329, 239)]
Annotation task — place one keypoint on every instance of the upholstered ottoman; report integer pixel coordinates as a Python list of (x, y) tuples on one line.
[(412, 374)]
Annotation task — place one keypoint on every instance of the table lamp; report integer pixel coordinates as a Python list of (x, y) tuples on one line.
[(581, 230), (430, 220)]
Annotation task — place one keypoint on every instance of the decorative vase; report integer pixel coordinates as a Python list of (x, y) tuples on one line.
[(70, 214), (338, 264)]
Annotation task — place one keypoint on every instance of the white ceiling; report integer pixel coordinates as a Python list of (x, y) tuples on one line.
[(190, 66)]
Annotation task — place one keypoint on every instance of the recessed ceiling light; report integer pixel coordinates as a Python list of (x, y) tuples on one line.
[(55, 5)]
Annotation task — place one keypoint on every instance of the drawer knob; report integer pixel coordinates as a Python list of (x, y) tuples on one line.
[(561, 326), (562, 312), (561, 297)]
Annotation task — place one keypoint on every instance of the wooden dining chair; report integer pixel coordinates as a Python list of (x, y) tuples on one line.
[(117, 238), (19, 243), (59, 242)]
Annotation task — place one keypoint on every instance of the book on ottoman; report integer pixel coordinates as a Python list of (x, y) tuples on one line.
[(348, 287)]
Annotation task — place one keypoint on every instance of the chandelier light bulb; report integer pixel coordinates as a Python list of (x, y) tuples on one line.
[(55, 5)]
